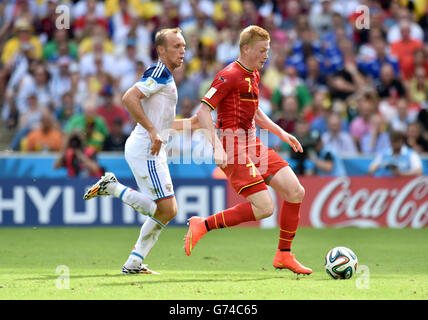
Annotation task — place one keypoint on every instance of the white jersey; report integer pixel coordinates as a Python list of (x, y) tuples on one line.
[(151, 172), (158, 85)]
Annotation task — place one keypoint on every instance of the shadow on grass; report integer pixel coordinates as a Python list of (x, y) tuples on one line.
[(216, 277)]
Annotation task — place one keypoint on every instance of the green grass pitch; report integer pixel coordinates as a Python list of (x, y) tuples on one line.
[(226, 264)]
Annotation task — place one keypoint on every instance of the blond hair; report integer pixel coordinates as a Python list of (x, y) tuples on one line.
[(252, 34), (160, 37)]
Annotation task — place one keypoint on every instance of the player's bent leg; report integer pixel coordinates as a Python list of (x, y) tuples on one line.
[(262, 204), (166, 210), (149, 235), (289, 188), (286, 183), (108, 185)]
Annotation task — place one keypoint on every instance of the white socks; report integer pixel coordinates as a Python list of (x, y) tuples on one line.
[(149, 235), (151, 228), (137, 200)]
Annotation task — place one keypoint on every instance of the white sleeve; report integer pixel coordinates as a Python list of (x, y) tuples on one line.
[(149, 86)]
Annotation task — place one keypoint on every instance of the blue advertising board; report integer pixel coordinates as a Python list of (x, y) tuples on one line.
[(59, 202)]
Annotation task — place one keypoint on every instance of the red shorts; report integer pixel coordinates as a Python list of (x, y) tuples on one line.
[(249, 168)]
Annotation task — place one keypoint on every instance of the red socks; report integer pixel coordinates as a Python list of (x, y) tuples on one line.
[(288, 222), (242, 212)]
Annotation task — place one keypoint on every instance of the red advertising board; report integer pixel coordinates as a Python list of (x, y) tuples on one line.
[(360, 201)]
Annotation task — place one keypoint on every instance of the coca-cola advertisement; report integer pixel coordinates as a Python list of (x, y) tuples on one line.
[(361, 202)]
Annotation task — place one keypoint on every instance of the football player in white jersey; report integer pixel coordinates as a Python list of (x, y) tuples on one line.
[(151, 102)]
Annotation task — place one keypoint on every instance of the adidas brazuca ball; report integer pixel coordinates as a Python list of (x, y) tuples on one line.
[(341, 263)]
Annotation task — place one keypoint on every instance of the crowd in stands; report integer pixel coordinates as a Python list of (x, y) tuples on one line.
[(337, 79)]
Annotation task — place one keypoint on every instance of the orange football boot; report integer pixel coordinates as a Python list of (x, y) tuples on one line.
[(197, 230), (286, 260)]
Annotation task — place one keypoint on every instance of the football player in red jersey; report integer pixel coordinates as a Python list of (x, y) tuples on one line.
[(247, 163)]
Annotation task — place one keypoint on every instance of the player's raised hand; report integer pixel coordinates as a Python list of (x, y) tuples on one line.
[(220, 156), (292, 141), (156, 142)]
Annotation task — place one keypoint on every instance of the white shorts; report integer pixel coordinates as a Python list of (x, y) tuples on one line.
[(151, 172)]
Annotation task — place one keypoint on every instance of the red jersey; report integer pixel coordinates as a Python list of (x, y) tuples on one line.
[(235, 94)]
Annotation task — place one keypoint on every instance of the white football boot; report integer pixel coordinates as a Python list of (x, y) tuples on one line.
[(104, 187), (134, 265)]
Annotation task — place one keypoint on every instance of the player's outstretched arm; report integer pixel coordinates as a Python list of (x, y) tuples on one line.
[(206, 122), (263, 121), (132, 100), (189, 123)]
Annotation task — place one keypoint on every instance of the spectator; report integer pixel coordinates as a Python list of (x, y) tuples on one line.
[(404, 17), (389, 89), (93, 126), (140, 31), (127, 63), (121, 23), (274, 70), (185, 87), (398, 160), (377, 139), (202, 28), (67, 109), (98, 34), (228, 47), (21, 82), (61, 81), (51, 50), (47, 25), (110, 111), (22, 39), (403, 117), (78, 159), (88, 14), (420, 59), (127, 80), (187, 109), (314, 79), (289, 113), (322, 109), (292, 84), (367, 52), (29, 120), (414, 138), (45, 138), (360, 125), (340, 142), (404, 49), (324, 161), (115, 141), (348, 79), (371, 68), (299, 161), (321, 16), (418, 87)]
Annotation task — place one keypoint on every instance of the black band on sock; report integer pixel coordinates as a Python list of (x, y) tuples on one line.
[(285, 250), (206, 225)]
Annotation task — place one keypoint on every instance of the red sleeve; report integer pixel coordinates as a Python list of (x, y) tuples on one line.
[(220, 87)]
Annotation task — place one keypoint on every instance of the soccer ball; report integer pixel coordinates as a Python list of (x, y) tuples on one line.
[(341, 263)]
